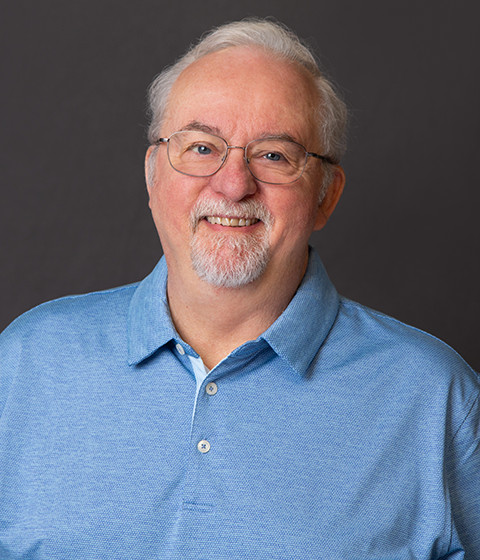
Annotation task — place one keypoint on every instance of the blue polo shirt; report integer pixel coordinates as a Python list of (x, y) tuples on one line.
[(338, 434)]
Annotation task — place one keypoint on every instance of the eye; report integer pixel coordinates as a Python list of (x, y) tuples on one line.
[(269, 152), (200, 149), (273, 156)]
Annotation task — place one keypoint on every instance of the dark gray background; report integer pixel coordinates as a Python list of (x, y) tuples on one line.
[(73, 207)]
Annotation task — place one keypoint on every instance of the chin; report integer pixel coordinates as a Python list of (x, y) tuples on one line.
[(228, 261)]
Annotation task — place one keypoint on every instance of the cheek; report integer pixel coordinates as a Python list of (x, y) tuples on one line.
[(298, 213), (161, 191), (171, 203)]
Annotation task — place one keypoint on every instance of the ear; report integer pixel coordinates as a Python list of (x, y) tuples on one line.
[(331, 198), (150, 167)]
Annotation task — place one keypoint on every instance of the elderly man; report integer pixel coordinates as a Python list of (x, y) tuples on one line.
[(232, 405)]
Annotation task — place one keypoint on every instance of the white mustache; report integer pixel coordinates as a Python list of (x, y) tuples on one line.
[(248, 209)]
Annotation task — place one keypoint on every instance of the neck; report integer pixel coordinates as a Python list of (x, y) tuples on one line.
[(214, 321)]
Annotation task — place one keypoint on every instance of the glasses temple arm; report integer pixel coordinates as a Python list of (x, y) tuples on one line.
[(323, 158)]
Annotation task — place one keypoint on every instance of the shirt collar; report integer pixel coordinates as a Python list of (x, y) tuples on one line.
[(295, 336), (149, 324)]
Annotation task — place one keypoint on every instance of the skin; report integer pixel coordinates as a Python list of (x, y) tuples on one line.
[(241, 93)]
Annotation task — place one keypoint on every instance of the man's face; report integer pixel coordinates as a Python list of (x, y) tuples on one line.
[(230, 229)]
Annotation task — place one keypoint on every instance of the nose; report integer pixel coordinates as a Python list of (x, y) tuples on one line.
[(233, 179)]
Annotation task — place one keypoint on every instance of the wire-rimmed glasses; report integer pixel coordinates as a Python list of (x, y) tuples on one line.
[(273, 160)]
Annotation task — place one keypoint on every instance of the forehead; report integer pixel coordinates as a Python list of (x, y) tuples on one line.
[(244, 92)]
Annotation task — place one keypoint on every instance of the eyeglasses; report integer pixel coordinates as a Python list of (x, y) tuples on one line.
[(273, 160)]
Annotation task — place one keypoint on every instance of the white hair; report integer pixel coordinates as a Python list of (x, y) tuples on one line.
[(281, 42)]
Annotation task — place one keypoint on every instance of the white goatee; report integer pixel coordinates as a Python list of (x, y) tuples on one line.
[(230, 259)]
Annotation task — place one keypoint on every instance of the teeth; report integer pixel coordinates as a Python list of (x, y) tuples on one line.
[(231, 222)]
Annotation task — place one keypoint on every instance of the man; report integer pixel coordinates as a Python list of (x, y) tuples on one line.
[(232, 405)]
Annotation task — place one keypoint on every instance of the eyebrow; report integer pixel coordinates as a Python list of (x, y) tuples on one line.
[(201, 127), (196, 125), (281, 136)]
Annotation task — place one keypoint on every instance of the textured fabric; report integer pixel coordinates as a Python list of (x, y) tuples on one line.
[(338, 434)]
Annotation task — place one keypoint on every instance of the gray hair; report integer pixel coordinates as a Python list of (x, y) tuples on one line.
[(280, 41)]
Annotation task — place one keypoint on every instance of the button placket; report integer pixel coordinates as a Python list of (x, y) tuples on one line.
[(197, 492), (210, 389)]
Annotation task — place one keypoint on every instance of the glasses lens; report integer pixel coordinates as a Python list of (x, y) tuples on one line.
[(196, 153), (275, 160)]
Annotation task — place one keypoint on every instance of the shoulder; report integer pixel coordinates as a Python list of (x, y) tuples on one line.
[(375, 330), (404, 356), (70, 312), (63, 330), (399, 363)]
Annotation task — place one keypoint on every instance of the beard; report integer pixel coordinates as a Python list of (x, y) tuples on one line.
[(230, 259)]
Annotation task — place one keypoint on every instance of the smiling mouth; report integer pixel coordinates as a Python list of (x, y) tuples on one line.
[(231, 222)]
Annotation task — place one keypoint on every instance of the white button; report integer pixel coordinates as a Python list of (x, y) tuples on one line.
[(203, 446), (180, 349), (211, 388)]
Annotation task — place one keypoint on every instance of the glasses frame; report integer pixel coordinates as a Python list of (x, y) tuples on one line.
[(308, 154)]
